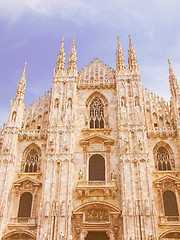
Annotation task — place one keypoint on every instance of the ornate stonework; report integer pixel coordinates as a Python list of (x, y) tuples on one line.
[(98, 155)]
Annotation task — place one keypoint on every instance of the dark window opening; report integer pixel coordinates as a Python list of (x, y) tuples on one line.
[(96, 168), (170, 204), (25, 205)]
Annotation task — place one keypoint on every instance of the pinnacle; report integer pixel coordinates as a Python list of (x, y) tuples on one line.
[(60, 65), (119, 57), (170, 67)]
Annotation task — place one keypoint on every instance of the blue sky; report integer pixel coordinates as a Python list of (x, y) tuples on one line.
[(31, 31)]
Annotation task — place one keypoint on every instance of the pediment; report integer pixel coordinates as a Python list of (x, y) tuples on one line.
[(97, 138), (27, 183), (167, 181)]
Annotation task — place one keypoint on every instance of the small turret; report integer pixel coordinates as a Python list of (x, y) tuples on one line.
[(174, 87), (72, 65), (119, 58), (20, 91), (60, 65), (132, 62)]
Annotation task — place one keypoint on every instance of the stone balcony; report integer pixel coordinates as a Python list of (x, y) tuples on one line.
[(169, 220), (97, 188), (22, 222)]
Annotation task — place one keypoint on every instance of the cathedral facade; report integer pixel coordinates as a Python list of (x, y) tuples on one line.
[(97, 157)]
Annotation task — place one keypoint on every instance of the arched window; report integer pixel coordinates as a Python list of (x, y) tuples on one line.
[(163, 159), (96, 114), (25, 205), (170, 204), (96, 168), (31, 163)]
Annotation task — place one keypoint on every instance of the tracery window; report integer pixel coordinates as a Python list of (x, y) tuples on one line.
[(163, 159), (96, 114), (31, 163)]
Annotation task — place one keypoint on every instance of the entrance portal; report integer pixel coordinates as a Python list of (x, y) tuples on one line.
[(97, 236)]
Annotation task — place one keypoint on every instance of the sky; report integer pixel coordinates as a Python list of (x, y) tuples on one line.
[(31, 31)]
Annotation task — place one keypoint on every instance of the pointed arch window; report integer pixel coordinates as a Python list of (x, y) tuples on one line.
[(96, 114), (163, 159), (32, 161), (25, 205)]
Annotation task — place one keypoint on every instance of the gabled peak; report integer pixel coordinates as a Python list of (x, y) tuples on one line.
[(119, 58), (60, 65), (72, 66), (96, 65), (132, 62)]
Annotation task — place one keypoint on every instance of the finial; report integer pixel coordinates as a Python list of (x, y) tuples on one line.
[(132, 62), (72, 66), (119, 57), (60, 65), (130, 42), (170, 67)]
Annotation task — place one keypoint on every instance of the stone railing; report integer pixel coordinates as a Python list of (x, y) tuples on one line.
[(22, 221), (169, 220), (32, 134), (161, 132), (92, 188)]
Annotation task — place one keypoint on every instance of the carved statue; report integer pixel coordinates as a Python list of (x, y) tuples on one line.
[(150, 236), (80, 175), (62, 236), (113, 175), (45, 237)]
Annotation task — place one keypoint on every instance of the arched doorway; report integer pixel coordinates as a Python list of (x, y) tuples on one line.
[(97, 235), (19, 235), (97, 221)]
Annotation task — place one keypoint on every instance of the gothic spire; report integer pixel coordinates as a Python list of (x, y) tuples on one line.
[(132, 62), (21, 86), (60, 65), (174, 87), (72, 65), (119, 58)]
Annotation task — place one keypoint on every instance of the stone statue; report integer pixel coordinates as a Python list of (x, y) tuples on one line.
[(113, 175), (80, 175), (61, 236), (150, 236)]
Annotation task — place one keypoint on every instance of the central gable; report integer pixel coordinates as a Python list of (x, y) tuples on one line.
[(96, 75)]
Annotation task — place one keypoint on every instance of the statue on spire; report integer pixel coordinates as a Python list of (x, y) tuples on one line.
[(132, 62), (72, 65), (119, 58), (21, 86), (60, 65)]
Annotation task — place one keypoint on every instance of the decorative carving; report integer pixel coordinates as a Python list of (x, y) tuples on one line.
[(97, 215)]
